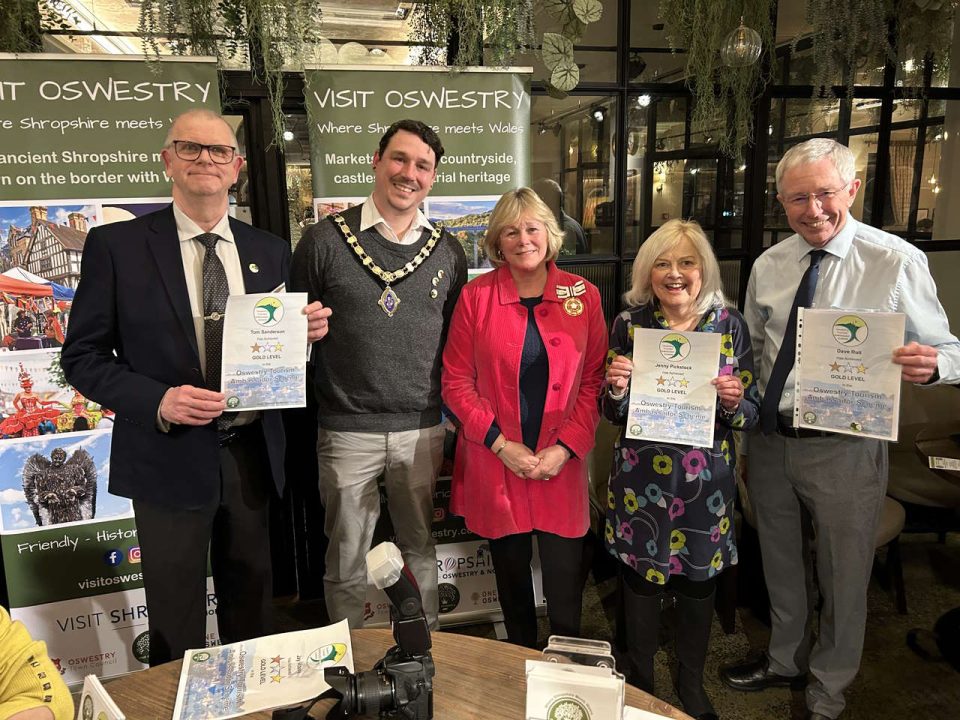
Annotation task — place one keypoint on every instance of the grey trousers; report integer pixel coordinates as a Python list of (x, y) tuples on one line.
[(349, 465), (840, 481)]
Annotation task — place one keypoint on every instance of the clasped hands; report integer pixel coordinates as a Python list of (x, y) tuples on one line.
[(191, 405), (540, 466), (729, 387)]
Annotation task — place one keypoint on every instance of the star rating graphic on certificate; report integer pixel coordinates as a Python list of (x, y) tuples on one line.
[(673, 382), (267, 348), (861, 369)]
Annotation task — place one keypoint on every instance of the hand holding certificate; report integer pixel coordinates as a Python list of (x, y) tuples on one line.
[(264, 345), (846, 380), (672, 398)]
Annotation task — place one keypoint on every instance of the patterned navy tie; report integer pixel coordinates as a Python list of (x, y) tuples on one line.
[(216, 290), (787, 355)]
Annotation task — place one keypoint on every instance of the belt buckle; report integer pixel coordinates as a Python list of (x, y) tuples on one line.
[(226, 437)]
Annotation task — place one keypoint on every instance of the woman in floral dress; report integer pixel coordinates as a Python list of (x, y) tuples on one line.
[(670, 507)]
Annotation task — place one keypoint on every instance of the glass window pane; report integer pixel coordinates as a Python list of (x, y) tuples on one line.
[(865, 112), (647, 30), (864, 149), (296, 157), (807, 117), (572, 164), (931, 181), (942, 160), (637, 119), (896, 207), (240, 192), (671, 124)]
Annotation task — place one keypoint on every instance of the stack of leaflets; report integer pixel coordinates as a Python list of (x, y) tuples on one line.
[(95, 703), (558, 691)]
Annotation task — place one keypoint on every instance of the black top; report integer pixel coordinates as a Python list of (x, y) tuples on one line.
[(534, 374)]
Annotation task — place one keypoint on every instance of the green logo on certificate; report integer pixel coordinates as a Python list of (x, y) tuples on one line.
[(567, 708), (200, 657), (233, 401), (268, 312), (850, 330), (327, 655), (674, 347)]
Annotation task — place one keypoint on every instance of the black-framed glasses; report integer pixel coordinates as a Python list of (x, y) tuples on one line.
[(189, 150)]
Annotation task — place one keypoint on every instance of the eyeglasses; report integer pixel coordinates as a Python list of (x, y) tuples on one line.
[(189, 150), (824, 196)]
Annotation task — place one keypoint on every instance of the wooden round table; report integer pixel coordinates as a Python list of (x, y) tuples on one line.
[(476, 678)]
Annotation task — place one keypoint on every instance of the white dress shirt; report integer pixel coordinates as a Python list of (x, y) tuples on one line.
[(191, 253), (370, 217), (864, 269)]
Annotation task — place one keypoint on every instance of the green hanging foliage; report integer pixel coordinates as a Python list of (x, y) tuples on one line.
[(278, 32), (924, 29), (20, 26), (504, 29), (847, 37), (723, 96), (505, 26), (853, 37)]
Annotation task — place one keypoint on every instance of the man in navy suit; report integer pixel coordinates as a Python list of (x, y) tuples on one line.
[(136, 344)]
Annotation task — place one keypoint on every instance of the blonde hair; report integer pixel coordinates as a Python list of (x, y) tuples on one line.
[(816, 149), (513, 205), (667, 237)]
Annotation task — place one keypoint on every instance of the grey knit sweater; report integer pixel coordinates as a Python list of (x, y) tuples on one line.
[(374, 373)]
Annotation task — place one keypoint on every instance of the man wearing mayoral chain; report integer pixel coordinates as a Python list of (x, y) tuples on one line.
[(392, 280)]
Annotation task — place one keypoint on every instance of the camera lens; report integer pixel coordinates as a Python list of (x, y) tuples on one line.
[(364, 694), (374, 693)]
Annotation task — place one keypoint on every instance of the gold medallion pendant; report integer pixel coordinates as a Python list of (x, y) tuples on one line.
[(389, 301), (573, 306)]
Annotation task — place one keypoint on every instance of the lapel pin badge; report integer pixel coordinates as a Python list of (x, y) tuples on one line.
[(254, 268)]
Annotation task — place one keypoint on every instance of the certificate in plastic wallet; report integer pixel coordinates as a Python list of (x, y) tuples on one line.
[(846, 380)]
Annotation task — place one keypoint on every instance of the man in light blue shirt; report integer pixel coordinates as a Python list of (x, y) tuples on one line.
[(838, 480)]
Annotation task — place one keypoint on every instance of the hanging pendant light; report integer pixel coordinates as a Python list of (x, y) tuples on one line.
[(741, 47)]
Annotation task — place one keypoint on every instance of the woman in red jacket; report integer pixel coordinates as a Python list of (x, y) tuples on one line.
[(522, 369)]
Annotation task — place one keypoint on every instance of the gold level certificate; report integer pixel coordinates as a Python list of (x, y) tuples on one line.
[(671, 397), (245, 677), (264, 341), (846, 380)]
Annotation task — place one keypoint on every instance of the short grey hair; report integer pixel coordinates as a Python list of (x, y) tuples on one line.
[(202, 113), (816, 149), (667, 237)]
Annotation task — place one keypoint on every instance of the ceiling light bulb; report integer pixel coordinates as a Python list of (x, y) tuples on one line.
[(643, 100), (287, 135)]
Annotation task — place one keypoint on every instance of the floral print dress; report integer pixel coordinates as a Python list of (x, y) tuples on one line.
[(670, 507)]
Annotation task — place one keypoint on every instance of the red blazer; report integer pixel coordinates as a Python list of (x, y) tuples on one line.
[(481, 368)]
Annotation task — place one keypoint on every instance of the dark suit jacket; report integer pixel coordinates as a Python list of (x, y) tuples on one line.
[(132, 300)]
